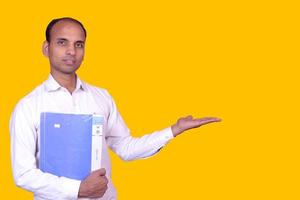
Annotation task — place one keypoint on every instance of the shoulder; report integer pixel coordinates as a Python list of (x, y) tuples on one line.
[(98, 91), (29, 101)]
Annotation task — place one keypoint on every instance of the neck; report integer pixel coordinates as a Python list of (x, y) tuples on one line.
[(67, 81)]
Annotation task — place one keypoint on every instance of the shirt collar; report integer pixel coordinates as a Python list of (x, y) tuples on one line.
[(52, 85)]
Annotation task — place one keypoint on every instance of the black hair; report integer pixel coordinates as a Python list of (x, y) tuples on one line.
[(54, 21)]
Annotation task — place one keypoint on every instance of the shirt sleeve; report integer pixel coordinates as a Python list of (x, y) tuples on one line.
[(24, 144), (131, 148)]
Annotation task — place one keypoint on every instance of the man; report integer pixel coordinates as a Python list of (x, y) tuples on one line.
[(64, 92)]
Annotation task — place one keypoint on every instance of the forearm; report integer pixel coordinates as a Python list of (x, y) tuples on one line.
[(131, 148), (47, 185)]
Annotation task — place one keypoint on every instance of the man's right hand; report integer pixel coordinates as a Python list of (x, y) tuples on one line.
[(94, 186)]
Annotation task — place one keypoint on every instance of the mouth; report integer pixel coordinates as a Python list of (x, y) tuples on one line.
[(68, 61)]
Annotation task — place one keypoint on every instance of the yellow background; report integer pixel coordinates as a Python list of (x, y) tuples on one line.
[(237, 60)]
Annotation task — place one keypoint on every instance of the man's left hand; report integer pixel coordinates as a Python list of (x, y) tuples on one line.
[(188, 122)]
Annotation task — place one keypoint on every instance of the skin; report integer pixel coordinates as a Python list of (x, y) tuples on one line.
[(66, 52), (186, 123)]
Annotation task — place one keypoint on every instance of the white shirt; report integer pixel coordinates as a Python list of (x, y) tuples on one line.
[(51, 97)]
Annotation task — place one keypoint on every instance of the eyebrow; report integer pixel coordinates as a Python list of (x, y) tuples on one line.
[(64, 39)]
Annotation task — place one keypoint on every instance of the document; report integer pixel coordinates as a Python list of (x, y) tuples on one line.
[(70, 144)]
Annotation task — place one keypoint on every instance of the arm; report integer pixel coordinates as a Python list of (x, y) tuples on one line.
[(28, 176), (119, 139), (131, 148), (24, 144)]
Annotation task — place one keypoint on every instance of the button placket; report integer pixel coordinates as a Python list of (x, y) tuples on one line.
[(69, 98), (74, 102)]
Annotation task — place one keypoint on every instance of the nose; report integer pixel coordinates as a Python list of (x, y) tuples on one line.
[(70, 50)]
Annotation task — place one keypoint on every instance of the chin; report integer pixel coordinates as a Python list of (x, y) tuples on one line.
[(70, 69), (69, 72)]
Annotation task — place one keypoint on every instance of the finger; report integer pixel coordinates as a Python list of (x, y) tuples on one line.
[(189, 117), (199, 122), (105, 180), (100, 172), (208, 120), (102, 180)]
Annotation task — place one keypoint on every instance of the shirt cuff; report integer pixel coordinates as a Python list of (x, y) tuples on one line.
[(166, 135), (71, 187)]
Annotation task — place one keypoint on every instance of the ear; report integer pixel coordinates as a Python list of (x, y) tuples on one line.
[(45, 48)]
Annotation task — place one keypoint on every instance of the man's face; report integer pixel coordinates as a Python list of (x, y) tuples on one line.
[(66, 47)]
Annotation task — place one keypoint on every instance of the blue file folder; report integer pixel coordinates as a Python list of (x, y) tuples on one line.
[(65, 144)]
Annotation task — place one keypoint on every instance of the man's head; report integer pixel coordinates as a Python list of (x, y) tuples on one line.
[(64, 45)]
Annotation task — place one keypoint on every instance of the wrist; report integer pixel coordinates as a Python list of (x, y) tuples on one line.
[(175, 130), (82, 191)]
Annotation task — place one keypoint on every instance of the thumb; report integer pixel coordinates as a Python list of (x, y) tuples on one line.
[(100, 172), (189, 117)]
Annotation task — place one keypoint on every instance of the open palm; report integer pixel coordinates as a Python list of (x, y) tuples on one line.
[(188, 122)]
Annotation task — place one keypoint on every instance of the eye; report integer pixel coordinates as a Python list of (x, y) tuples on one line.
[(79, 45), (61, 42)]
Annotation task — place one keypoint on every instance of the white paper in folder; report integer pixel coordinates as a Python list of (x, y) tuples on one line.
[(97, 134)]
